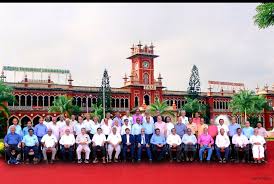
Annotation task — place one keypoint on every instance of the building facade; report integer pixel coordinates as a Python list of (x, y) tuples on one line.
[(140, 88)]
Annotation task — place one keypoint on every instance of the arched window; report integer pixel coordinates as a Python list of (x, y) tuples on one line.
[(79, 101), (34, 101), (112, 102), (146, 99), (23, 100), (146, 78), (136, 102), (51, 100), (93, 100), (126, 103), (117, 103), (122, 103), (89, 102), (40, 101), (16, 103), (46, 101), (28, 100)]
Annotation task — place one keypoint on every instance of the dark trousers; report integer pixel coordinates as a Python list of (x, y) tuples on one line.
[(27, 150), (10, 148), (245, 151), (69, 150), (97, 148), (124, 151), (189, 150), (178, 152), (218, 153), (139, 152), (232, 155), (156, 150)]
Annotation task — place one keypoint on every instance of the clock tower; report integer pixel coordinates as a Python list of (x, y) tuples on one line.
[(144, 88)]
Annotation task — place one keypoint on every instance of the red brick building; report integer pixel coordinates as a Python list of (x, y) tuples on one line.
[(141, 87)]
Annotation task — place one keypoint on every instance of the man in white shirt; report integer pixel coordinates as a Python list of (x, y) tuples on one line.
[(49, 142), (257, 142), (169, 126), (184, 118), (114, 140), (223, 125), (55, 128), (78, 126), (136, 128), (174, 141), (65, 127), (95, 124), (88, 124), (83, 141), (61, 122), (67, 142), (47, 121), (222, 145), (125, 126), (117, 126), (73, 120), (189, 145), (98, 143), (240, 143), (128, 116), (106, 126)]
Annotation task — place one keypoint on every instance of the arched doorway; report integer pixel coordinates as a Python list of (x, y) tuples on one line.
[(24, 121), (147, 99)]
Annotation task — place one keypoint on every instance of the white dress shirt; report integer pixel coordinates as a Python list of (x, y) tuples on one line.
[(55, 129), (106, 128), (130, 119), (49, 140), (240, 140), (224, 126), (222, 141), (98, 139), (94, 127), (184, 120), (257, 138), (114, 139), (136, 129), (173, 139), (73, 122), (61, 123), (67, 139), (189, 139), (88, 124), (169, 126), (124, 127), (77, 128)]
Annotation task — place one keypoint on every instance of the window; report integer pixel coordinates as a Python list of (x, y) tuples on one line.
[(126, 103), (146, 98), (136, 101), (146, 78)]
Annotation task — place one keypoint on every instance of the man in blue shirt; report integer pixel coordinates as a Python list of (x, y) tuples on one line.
[(118, 118), (180, 127), (12, 143), (158, 144), (30, 142), (40, 129), (18, 128), (148, 125), (232, 130), (26, 129), (248, 131)]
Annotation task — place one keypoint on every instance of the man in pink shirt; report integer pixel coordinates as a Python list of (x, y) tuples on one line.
[(197, 119), (205, 141), (212, 129), (66, 126), (161, 125), (137, 115)]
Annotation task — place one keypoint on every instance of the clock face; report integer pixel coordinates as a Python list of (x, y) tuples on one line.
[(145, 64)]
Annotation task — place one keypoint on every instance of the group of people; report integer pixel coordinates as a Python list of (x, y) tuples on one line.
[(129, 137)]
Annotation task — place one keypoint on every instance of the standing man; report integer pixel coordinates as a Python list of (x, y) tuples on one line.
[(125, 126), (55, 128), (114, 140), (65, 127), (94, 126), (248, 131), (158, 143), (61, 122), (136, 128), (40, 130), (201, 127), (106, 127), (73, 120), (197, 118), (30, 142), (128, 116), (192, 126), (174, 142), (213, 129), (169, 126), (49, 142), (128, 142), (78, 126), (161, 126), (137, 115), (143, 142), (223, 125), (222, 144), (26, 129), (155, 118), (88, 125), (118, 118), (148, 125), (98, 143), (180, 127), (205, 141), (18, 128), (183, 117), (83, 141), (262, 132)]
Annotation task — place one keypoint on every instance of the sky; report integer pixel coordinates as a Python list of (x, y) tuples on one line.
[(220, 39)]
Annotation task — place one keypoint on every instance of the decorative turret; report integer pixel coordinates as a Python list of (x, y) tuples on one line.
[(2, 76), (70, 80), (125, 79), (222, 91)]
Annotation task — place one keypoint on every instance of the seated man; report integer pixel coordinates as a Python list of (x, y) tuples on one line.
[(257, 142), (98, 143), (174, 141), (49, 142), (158, 143), (30, 142), (67, 142), (222, 144), (12, 143), (240, 143), (128, 142), (189, 145), (83, 141), (114, 140), (143, 143), (205, 141)]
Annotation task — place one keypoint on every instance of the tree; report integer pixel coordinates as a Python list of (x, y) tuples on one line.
[(193, 105), (97, 110), (63, 105), (160, 106), (6, 96), (248, 103), (194, 88), (105, 85), (265, 15)]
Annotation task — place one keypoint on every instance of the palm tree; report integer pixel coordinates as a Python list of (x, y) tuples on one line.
[(6, 96), (193, 105), (160, 106), (63, 105), (97, 110), (248, 102)]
